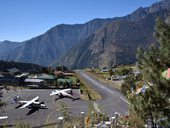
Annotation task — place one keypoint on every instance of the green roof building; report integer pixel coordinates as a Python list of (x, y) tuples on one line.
[(46, 77)]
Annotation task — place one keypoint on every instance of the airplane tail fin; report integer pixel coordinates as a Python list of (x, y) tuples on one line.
[(15, 99), (51, 94)]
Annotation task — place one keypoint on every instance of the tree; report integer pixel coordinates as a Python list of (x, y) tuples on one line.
[(128, 85), (154, 104)]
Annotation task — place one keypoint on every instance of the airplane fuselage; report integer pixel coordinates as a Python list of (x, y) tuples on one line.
[(33, 105), (37, 106)]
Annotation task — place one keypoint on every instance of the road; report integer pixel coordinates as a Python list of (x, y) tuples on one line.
[(113, 101)]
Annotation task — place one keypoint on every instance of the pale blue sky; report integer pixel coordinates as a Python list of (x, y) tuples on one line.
[(23, 19)]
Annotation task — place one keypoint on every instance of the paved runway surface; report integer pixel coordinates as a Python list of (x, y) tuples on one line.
[(113, 101), (42, 116)]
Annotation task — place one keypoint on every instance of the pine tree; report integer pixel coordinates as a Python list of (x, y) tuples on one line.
[(155, 102)]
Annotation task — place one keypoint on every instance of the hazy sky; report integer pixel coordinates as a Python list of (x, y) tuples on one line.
[(23, 19)]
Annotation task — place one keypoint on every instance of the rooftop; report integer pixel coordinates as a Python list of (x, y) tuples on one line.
[(13, 70), (45, 77), (33, 80)]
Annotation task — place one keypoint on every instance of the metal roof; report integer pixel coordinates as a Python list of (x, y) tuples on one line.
[(34, 80), (46, 77), (13, 70), (21, 75), (64, 80)]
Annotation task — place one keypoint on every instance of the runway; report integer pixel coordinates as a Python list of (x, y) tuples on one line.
[(113, 101)]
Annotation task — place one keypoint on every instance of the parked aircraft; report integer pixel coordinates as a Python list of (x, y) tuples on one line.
[(62, 93), (34, 103)]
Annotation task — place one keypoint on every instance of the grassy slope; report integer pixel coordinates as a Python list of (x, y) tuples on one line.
[(88, 92), (115, 84)]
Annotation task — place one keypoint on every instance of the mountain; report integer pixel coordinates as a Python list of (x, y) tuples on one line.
[(47, 47), (99, 43), (7, 46), (116, 43)]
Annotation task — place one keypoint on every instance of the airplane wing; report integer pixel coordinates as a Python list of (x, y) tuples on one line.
[(56, 92), (3, 117), (66, 94), (30, 102), (23, 102)]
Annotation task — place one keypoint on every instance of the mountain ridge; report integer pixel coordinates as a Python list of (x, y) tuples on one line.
[(99, 42), (57, 40), (128, 33)]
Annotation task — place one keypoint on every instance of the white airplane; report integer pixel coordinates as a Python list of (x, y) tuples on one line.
[(3, 117), (62, 93), (30, 104)]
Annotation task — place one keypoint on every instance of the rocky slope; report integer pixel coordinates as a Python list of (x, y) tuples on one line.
[(100, 42), (116, 43), (47, 47)]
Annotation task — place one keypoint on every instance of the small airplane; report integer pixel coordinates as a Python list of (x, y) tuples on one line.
[(62, 93), (29, 104), (3, 117)]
